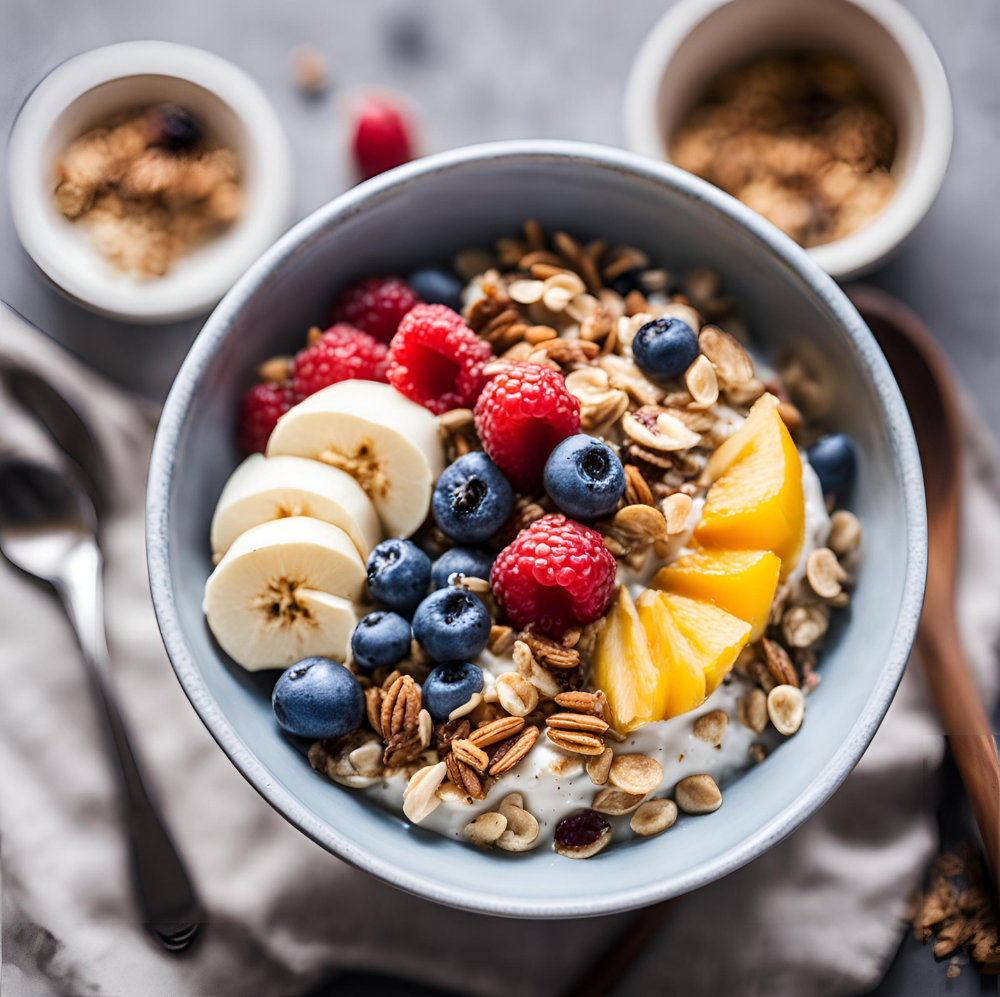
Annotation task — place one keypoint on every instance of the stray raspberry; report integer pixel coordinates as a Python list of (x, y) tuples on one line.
[(382, 138), (436, 360), (556, 574), (262, 406), (522, 415), (375, 305), (340, 354)]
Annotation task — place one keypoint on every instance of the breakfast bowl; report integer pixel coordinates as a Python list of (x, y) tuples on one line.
[(102, 85), (428, 211), (697, 40)]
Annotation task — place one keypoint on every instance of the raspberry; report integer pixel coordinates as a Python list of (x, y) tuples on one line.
[(374, 305), (437, 360), (262, 406), (521, 416), (381, 138), (341, 353), (556, 574)]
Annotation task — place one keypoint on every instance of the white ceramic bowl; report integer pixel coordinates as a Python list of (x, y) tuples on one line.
[(428, 211), (81, 94), (697, 39)]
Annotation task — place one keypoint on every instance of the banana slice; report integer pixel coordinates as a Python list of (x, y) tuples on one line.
[(262, 489), (388, 443), (283, 592)]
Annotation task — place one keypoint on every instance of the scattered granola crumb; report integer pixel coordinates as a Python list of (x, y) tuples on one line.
[(309, 69)]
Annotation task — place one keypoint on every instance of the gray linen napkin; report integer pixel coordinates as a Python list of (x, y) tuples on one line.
[(818, 914)]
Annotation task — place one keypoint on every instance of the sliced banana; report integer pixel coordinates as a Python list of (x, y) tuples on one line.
[(389, 444), (263, 488), (283, 592)]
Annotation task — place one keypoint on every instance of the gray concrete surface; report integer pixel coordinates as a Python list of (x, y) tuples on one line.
[(504, 69)]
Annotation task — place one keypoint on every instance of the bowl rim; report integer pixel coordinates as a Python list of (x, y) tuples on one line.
[(861, 251), (820, 285), (270, 209)]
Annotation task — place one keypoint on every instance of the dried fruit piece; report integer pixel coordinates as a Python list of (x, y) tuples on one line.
[(582, 835)]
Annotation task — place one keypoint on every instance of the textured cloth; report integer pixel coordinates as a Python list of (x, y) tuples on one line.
[(818, 914)]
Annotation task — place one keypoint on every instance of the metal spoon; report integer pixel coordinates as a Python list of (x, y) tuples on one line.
[(47, 529), (930, 395)]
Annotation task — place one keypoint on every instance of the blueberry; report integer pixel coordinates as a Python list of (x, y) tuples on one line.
[(399, 574), (178, 127), (627, 281), (380, 640), (437, 287), (466, 560), (835, 463), (472, 499), (584, 477), (452, 623), (665, 347), (450, 686), (317, 698)]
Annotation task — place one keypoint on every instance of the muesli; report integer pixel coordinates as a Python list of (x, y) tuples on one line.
[(545, 556)]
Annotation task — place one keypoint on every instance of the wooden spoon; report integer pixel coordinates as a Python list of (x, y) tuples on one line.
[(929, 392)]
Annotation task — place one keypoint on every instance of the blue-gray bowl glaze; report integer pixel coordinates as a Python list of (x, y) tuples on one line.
[(425, 212)]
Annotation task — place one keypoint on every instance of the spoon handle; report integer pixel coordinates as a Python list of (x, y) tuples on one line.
[(167, 900), (965, 723)]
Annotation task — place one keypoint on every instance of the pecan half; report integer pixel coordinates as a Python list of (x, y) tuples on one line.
[(402, 748), (464, 777), (548, 652), (465, 751), (576, 741), (496, 731), (594, 703), (400, 707), (507, 758), (779, 664), (448, 731), (637, 490), (373, 705), (586, 722)]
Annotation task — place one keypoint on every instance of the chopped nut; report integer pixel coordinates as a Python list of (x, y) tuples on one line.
[(786, 706), (660, 432), (641, 522), (515, 752), (637, 490), (472, 262), (309, 68), (676, 508), (753, 710), (373, 706), (825, 575), (465, 708), (638, 774), (711, 726), (420, 796), (790, 416), (698, 794), (516, 694), (598, 766), (485, 829), (548, 652), (624, 374), (616, 802), (779, 664), (802, 626), (761, 674), (845, 533), (701, 381), (732, 365), (582, 307), (599, 402), (522, 827), (335, 758), (581, 835), (276, 369), (448, 731), (653, 816), (501, 641), (526, 292)]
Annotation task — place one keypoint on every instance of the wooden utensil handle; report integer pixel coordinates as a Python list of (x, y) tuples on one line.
[(966, 725)]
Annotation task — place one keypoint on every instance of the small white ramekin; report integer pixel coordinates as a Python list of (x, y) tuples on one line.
[(697, 39), (85, 91)]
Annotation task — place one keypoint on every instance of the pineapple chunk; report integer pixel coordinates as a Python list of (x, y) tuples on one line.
[(695, 642), (741, 582), (756, 501), (635, 687)]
